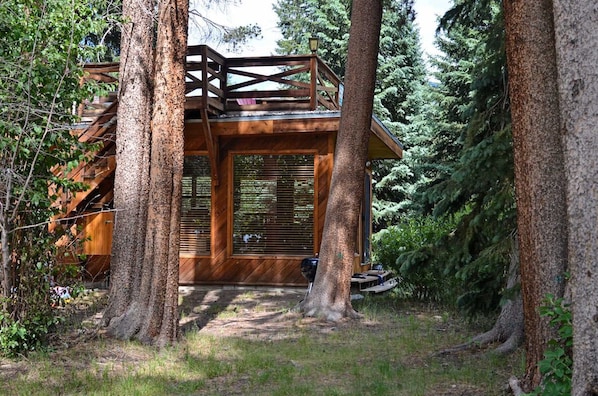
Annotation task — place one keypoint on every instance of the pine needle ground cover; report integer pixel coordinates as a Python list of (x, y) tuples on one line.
[(251, 342)]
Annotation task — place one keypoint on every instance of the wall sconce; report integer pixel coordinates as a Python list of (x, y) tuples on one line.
[(314, 42)]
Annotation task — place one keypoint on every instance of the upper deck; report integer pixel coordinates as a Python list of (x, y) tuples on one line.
[(245, 88), (257, 84)]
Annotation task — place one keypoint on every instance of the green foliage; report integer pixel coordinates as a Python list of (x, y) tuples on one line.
[(41, 54), (469, 167), (557, 366), (328, 20), (402, 103), (400, 92), (20, 336), (13, 336), (412, 250)]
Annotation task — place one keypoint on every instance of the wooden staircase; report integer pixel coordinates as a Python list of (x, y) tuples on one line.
[(98, 127), (373, 281)]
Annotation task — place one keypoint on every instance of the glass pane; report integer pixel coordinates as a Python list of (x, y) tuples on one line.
[(273, 204), (196, 206)]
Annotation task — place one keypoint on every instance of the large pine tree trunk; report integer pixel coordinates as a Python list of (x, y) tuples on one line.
[(330, 295), (131, 179), (161, 266), (539, 169), (576, 27), (148, 310)]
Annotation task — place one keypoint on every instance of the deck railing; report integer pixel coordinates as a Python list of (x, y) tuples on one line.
[(221, 85)]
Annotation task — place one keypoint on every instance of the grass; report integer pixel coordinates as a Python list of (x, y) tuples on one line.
[(389, 352)]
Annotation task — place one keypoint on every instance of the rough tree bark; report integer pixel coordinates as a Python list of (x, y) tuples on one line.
[(576, 32), (131, 180), (539, 167), (330, 295), (159, 287), (151, 311)]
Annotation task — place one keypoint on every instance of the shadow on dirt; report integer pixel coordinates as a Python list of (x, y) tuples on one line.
[(216, 309)]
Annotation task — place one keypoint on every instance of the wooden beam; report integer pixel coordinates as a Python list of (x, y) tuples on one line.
[(211, 146), (313, 79), (269, 126)]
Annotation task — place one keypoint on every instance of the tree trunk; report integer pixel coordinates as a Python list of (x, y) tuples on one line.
[(131, 180), (161, 266), (330, 295), (539, 167), (576, 32), (148, 307), (5, 279)]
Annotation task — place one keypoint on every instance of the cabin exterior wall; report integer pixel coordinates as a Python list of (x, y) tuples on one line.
[(224, 267), (221, 265)]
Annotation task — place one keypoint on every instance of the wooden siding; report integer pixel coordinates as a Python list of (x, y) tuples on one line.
[(98, 228), (222, 267)]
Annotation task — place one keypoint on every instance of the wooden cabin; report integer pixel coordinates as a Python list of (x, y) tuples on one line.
[(260, 135)]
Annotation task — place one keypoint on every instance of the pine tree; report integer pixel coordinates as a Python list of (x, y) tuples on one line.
[(327, 20), (473, 175), (401, 97), (400, 83)]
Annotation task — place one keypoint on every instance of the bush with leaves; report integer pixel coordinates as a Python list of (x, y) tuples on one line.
[(411, 249), (41, 57), (557, 366)]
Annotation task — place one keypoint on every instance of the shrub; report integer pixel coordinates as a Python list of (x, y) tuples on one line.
[(411, 250), (557, 366), (27, 316)]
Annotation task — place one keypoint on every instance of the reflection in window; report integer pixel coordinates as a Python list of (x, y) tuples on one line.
[(273, 204)]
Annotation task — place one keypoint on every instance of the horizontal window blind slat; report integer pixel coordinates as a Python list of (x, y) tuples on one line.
[(196, 206), (273, 204)]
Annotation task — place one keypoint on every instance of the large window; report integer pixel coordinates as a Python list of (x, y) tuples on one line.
[(273, 204), (196, 206)]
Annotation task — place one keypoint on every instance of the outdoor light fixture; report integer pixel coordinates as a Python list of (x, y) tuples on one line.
[(313, 44)]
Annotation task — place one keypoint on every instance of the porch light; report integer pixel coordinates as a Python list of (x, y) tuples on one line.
[(314, 42)]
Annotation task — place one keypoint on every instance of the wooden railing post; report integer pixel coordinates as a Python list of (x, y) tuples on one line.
[(224, 84), (313, 91), (205, 80)]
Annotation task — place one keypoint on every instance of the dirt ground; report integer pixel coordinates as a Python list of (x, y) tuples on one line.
[(250, 312), (255, 313)]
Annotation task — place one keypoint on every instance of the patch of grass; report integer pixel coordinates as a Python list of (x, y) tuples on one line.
[(389, 352)]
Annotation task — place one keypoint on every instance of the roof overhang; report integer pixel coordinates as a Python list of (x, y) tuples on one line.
[(382, 143)]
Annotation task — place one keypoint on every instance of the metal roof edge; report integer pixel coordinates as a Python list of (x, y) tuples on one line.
[(387, 131), (272, 116)]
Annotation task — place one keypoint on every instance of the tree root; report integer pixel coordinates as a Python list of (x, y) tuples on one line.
[(515, 387), (508, 328), (328, 312), (509, 342)]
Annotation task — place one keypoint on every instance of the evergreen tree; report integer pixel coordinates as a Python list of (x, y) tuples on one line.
[(401, 98), (327, 20), (400, 83), (473, 176)]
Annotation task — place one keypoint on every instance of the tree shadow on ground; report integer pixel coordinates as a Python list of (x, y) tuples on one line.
[(215, 310)]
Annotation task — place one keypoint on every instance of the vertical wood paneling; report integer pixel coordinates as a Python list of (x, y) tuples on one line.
[(224, 268)]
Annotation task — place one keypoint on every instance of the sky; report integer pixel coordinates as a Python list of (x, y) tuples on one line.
[(261, 13)]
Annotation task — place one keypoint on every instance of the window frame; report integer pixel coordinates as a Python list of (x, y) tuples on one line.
[(231, 198)]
